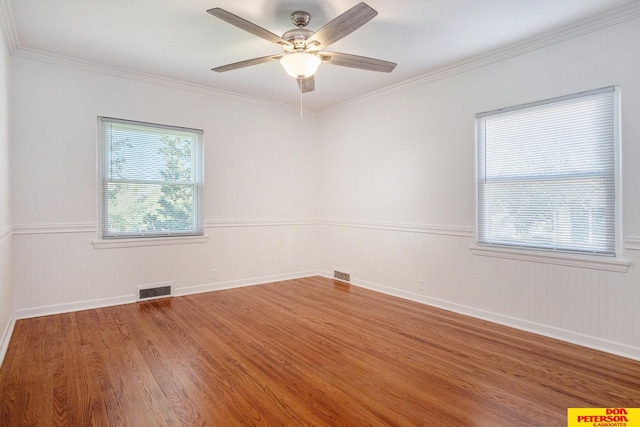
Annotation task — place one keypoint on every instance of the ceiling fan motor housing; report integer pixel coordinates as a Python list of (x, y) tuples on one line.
[(298, 37)]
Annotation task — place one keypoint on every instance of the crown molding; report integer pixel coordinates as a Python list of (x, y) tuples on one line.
[(153, 79), (612, 17), (8, 26), (12, 40), (604, 20)]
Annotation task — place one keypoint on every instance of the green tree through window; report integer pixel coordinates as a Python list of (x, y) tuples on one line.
[(152, 179), (175, 205)]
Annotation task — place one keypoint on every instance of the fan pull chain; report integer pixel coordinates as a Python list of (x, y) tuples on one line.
[(300, 86)]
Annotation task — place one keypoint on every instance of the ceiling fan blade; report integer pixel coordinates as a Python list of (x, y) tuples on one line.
[(247, 63), (355, 61), (250, 27), (307, 85), (342, 25)]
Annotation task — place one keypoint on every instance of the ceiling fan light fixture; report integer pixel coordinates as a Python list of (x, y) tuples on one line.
[(300, 64)]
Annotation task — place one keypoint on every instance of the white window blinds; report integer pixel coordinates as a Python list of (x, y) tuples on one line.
[(151, 179), (546, 174)]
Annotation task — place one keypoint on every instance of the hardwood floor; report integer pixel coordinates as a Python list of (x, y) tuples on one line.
[(297, 353)]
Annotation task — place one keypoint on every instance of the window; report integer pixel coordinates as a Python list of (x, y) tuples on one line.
[(547, 174), (152, 179)]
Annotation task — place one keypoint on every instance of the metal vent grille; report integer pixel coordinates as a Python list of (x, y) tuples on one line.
[(154, 292), (342, 276)]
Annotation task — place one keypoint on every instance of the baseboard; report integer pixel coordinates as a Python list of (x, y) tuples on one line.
[(6, 337), (599, 344), (556, 333), (48, 310), (218, 286), (127, 299)]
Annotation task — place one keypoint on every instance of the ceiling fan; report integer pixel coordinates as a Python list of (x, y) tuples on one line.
[(304, 49)]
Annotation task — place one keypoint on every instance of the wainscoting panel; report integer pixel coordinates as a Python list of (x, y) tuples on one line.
[(587, 306), (6, 290), (57, 271)]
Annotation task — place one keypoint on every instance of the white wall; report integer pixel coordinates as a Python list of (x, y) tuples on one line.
[(261, 189), (398, 195), (6, 284), (391, 179)]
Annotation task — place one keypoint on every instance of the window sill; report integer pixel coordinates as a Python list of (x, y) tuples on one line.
[(148, 241), (569, 260)]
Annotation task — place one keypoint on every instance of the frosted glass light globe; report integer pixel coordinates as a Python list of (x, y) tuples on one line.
[(300, 64)]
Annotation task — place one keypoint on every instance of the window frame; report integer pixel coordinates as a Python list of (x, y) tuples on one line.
[(613, 262), (131, 239)]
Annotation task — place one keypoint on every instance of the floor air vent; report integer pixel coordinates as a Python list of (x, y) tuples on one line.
[(153, 291), (342, 276)]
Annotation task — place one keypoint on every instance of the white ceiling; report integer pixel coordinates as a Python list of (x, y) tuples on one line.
[(177, 40)]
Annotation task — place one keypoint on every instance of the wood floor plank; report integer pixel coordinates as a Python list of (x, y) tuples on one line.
[(157, 354), (361, 370), (372, 360), (36, 402), (175, 363), (89, 405), (310, 352), (140, 382), (271, 363), (10, 372)]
